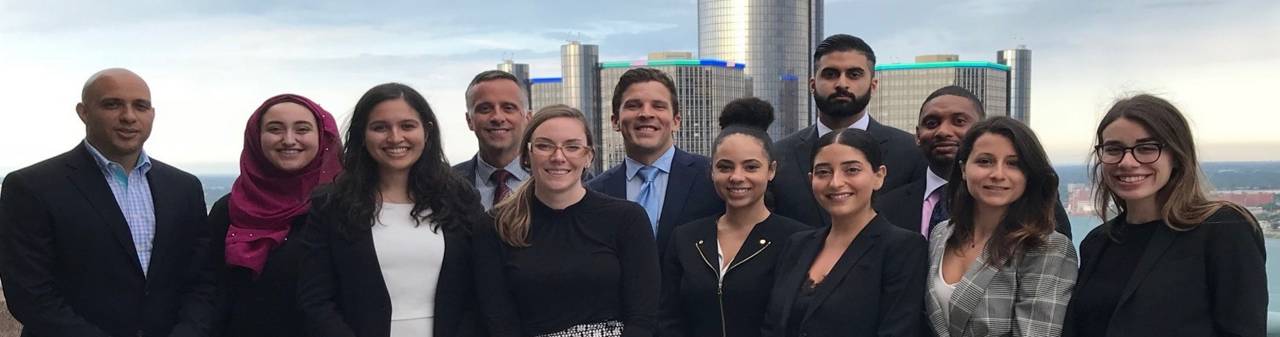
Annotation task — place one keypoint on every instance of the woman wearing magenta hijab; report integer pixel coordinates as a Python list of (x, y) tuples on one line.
[(291, 145)]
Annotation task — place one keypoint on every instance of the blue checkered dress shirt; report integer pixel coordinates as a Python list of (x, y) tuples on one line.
[(133, 194)]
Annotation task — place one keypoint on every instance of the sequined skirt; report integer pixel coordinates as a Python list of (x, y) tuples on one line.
[(602, 329)]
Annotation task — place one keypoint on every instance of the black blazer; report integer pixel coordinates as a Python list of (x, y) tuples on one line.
[(1209, 281), (792, 194), (903, 206), (69, 266), (264, 306), (690, 193), (877, 287), (342, 293), (697, 302)]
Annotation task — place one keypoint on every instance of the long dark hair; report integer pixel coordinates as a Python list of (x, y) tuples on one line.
[(432, 184), (1027, 222)]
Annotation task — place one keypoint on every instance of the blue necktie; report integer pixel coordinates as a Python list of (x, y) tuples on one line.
[(647, 198)]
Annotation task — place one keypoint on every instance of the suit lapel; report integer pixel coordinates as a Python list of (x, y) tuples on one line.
[(937, 245), (679, 183), (861, 244), (1160, 242), (1092, 249), (166, 204), (969, 293), (800, 272), (615, 183), (87, 177)]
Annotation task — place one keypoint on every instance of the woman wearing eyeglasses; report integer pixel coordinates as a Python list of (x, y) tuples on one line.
[(1172, 262), (562, 260)]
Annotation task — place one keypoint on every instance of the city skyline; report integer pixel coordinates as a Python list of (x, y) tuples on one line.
[(210, 63)]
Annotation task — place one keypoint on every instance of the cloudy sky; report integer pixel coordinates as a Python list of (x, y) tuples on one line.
[(210, 63)]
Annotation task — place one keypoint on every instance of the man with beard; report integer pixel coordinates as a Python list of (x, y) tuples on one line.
[(945, 117), (843, 80), (497, 114)]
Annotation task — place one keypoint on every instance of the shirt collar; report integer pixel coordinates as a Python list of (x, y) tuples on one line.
[(484, 170), (860, 124), (932, 182), (663, 163), (143, 164)]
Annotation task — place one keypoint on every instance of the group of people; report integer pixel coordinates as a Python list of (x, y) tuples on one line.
[(844, 228)]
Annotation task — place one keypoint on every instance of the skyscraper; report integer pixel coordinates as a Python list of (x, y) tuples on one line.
[(775, 38), (904, 86), (579, 69), (704, 86), (1019, 62), (545, 91)]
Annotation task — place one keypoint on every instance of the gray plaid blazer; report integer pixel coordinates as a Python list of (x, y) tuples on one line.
[(1027, 298)]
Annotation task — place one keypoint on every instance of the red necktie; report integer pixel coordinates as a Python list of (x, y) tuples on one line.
[(500, 189)]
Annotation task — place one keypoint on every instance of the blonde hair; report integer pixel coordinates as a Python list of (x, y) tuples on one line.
[(512, 215), (1184, 200)]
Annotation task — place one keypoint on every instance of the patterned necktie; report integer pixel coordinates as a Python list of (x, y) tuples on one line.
[(940, 208), (500, 189), (647, 197)]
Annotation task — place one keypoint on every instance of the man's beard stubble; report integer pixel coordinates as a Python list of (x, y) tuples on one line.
[(828, 106)]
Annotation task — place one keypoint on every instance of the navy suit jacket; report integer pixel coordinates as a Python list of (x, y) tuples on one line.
[(904, 205), (792, 194), (69, 265), (690, 193)]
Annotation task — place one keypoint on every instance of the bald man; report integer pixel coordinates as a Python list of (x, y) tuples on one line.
[(103, 240)]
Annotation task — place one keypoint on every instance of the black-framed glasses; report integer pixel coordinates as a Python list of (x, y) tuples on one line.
[(548, 149), (1145, 153)]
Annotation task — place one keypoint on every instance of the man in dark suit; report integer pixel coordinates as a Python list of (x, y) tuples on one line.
[(945, 117), (497, 114), (103, 240), (842, 84), (673, 186)]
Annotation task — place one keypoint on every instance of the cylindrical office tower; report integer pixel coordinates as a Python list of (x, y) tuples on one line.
[(1019, 62), (775, 39), (521, 71), (581, 83)]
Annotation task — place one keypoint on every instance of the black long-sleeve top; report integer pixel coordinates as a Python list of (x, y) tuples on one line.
[(697, 301), (591, 262), (267, 305)]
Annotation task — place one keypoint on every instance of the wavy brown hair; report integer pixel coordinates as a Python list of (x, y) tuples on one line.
[(1028, 221), (512, 215), (1184, 201)]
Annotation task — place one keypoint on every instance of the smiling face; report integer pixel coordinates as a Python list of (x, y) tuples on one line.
[(1138, 184), (741, 171), (843, 180), (395, 136), (558, 153), (646, 119), (497, 115), (943, 122), (289, 137), (991, 172), (117, 114)]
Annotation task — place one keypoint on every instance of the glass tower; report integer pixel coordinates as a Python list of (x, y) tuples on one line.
[(775, 38)]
